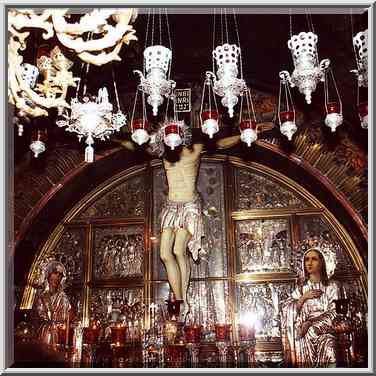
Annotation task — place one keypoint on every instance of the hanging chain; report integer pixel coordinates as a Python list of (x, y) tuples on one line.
[(146, 39), (147, 29), (134, 107), (226, 25), (287, 97), (170, 43), (335, 86), (115, 88), (152, 29), (310, 19), (222, 25), (238, 40), (214, 25), (352, 40), (79, 80), (290, 18), (253, 108), (279, 101), (160, 26), (326, 90), (143, 108), (90, 36)]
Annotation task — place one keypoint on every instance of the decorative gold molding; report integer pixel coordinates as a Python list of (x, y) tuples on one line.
[(229, 163), (273, 213), (266, 277)]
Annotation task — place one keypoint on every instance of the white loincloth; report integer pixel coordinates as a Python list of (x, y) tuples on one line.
[(187, 215)]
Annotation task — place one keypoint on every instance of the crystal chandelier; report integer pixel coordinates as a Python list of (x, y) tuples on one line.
[(155, 79), (308, 72), (360, 44), (92, 117), (209, 111), (286, 110), (248, 124), (333, 107), (228, 60)]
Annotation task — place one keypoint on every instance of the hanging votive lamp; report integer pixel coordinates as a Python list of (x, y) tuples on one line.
[(363, 114), (172, 134), (172, 128), (247, 124), (38, 141), (333, 106), (286, 110), (209, 111), (139, 123)]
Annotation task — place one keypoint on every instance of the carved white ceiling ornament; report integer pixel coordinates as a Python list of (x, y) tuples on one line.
[(106, 35), (55, 68)]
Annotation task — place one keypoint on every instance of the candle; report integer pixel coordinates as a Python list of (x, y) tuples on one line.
[(209, 115), (286, 116), (67, 331), (333, 108)]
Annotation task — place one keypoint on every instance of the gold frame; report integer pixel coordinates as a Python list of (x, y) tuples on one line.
[(231, 216)]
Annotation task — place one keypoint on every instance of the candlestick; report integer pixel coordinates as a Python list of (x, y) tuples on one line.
[(67, 331)]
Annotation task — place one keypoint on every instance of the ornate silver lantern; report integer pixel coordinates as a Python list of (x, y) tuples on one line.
[(156, 84), (286, 110), (360, 42), (228, 86), (307, 69)]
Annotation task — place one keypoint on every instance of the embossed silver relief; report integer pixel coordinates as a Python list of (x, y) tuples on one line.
[(209, 304), (118, 252), (68, 251), (314, 229), (105, 302), (260, 305), (263, 246), (125, 200), (258, 192)]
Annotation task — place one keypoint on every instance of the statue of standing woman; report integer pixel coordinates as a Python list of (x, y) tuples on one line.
[(307, 316), (52, 304)]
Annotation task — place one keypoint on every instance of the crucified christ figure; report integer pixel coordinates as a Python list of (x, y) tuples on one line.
[(182, 223)]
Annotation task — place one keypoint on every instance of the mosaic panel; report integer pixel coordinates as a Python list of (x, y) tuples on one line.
[(263, 246), (125, 200), (210, 185), (69, 251), (104, 301), (118, 252), (257, 192), (260, 303)]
